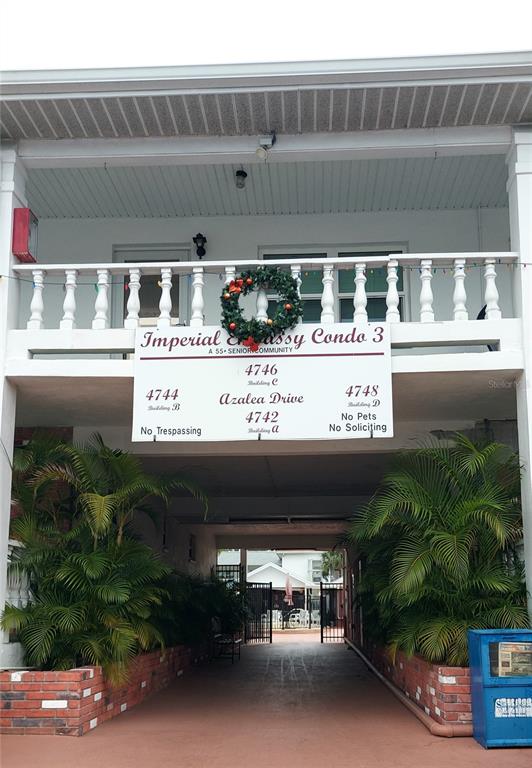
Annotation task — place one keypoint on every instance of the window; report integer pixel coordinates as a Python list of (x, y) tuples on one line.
[(316, 570), (344, 287), (376, 287), (311, 285), (150, 290)]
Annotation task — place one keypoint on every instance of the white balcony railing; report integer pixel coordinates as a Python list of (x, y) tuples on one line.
[(17, 592), (17, 585), (422, 265)]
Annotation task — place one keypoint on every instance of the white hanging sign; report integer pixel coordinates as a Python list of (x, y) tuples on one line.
[(314, 382)]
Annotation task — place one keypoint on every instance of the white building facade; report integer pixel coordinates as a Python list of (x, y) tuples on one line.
[(307, 565), (395, 190)]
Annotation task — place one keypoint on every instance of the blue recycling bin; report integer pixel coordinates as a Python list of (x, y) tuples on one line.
[(501, 686)]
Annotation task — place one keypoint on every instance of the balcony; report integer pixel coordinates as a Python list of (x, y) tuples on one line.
[(448, 366), (431, 312)]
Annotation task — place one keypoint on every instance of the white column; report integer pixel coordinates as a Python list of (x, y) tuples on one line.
[(392, 296), (69, 305), (426, 313), (101, 305), (520, 207), (459, 295), (360, 300), (327, 296), (37, 305), (133, 301), (295, 271), (165, 303), (12, 195), (491, 294), (198, 303)]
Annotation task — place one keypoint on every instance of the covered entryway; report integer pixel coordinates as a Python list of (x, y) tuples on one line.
[(299, 705)]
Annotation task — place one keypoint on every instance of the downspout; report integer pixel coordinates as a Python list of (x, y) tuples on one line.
[(448, 730)]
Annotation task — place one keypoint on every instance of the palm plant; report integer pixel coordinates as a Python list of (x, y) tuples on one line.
[(438, 545), (331, 562), (93, 586)]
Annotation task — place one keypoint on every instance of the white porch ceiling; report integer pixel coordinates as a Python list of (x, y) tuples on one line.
[(352, 186), (252, 111)]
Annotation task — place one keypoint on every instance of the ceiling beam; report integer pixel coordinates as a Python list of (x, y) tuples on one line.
[(217, 150)]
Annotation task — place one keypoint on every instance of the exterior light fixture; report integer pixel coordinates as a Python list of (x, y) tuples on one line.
[(199, 241), (240, 179), (266, 142)]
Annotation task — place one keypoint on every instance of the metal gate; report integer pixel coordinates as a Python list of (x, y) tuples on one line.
[(259, 613), (232, 575), (332, 612)]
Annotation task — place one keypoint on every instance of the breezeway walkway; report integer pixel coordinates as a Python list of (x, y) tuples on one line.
[(292, 704)]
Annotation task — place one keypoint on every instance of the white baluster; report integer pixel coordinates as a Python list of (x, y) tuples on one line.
[(198, 303), (133, 301), (262, 306), (165, 303), (426, 314), (69, 304), (230, 274), (327, 296), (37, 306), (392, 296), (295, 271), (360, 299), (491, 294), (459, 295), (101, 305)]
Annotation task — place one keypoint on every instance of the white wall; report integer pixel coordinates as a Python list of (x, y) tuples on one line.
[(298, 563), (240, 237), (176, 551)]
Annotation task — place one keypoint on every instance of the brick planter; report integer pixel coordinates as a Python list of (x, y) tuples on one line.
[(444, 693), (74, 702)]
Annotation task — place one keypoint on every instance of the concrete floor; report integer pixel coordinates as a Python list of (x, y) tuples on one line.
[(295, 704)]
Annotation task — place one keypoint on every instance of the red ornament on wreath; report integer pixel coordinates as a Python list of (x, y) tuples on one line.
[(251, 343), (232, 326)]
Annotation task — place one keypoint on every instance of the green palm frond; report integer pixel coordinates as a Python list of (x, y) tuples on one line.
[(14, 618), (412, 561), (93, 564), (68, 618), (452, 552), (99, 510)]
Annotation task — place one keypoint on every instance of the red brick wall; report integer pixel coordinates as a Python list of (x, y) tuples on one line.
[(444, 693), (74, 702)]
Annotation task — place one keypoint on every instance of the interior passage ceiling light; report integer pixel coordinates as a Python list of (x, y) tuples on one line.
[(240, 179)]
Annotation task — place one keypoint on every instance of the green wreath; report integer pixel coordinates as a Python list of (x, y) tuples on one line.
[(253, 332)]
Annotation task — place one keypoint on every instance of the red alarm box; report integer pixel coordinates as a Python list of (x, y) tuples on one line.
[(25, 225)]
